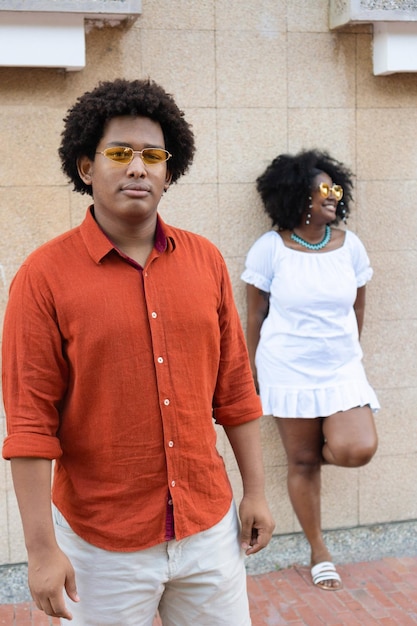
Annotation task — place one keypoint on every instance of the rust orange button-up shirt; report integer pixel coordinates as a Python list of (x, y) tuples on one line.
[(117, 374)]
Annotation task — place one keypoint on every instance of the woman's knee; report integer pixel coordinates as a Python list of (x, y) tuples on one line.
[(350, 438), (305, 463), (354, 455)]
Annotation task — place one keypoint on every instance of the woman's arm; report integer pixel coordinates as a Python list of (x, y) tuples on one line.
[(258, 307), (359, 307)]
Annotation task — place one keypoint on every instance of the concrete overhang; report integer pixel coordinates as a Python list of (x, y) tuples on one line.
[(51, 33), (394, 30)]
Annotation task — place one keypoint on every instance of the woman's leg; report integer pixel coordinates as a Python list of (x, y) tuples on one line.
[(350, 437), (303, 443)]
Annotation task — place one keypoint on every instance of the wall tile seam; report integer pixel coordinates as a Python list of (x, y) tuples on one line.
[(395, 455), (176, 30), (383, 107), (375, 248), (227, 107), (392, 388), (319, 108), (390, 109), (217, 30), (8, 521), (388, 320), (357, 107), (37, 185), (258, 31)]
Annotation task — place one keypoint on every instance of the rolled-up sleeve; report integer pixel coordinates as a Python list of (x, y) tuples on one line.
[(34, 371), (235, 400)]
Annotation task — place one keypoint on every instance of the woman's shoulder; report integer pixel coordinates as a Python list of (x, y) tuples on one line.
[(270, 238), (350, 236), (267, 246), (358, 257), (352, 240)]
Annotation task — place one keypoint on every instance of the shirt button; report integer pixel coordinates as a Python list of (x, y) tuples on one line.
[(160, 359), (154, 315), (171, 444), (172, 483), (170, 502), (166, 401)]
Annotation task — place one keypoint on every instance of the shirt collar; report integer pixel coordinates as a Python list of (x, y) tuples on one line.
[(99, 245)]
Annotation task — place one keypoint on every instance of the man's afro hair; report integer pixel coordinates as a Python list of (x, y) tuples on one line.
[(85, 124)]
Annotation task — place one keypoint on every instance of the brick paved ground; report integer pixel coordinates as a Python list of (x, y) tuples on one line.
[(380, 593)]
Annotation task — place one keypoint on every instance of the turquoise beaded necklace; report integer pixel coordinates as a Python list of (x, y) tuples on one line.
[(314, 246)]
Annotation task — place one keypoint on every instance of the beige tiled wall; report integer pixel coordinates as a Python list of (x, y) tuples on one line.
[(255, 79)]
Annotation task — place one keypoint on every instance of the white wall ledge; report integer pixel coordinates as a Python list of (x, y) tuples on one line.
[(343, 12), (116, 8), (394, 30), (51, 33)]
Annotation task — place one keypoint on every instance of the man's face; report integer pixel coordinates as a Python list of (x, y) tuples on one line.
[(126, 194)]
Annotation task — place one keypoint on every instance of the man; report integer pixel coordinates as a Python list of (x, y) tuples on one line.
[(121, 343)]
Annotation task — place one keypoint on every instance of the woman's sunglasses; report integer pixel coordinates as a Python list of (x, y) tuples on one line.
[(325, 190)]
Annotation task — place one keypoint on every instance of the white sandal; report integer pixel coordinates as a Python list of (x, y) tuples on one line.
[(323, 572)]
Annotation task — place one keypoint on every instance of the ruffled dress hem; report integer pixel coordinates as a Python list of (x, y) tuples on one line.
[(317, 402)]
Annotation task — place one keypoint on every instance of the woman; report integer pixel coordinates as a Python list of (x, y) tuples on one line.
[(306, 299)]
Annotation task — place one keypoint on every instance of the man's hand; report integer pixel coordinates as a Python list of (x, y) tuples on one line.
[(49, 573), (257, 524)]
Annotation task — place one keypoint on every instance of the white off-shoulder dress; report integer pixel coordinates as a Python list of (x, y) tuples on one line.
[(309, 359)]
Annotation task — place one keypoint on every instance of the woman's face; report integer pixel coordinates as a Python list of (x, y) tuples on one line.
[(325, 195)]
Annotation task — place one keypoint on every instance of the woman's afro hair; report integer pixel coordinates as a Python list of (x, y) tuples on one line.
[(86, 120), (286, 185)]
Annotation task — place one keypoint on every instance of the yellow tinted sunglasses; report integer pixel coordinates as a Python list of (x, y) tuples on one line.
[(124, 155), (325, 190)]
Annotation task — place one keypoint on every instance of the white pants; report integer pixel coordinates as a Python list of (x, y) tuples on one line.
[(198, 581)]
